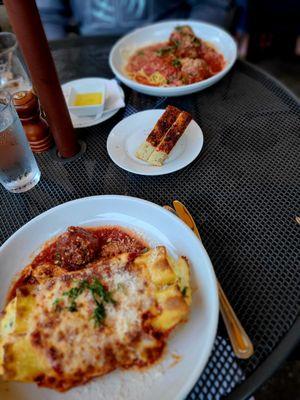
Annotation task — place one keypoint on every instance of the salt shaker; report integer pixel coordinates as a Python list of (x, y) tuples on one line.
[(36, 128)]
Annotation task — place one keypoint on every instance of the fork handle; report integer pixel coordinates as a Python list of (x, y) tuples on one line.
[(242, 345)]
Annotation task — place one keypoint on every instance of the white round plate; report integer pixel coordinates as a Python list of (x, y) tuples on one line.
[(160, 32), (128, 134), (191, 341), (85, 122)]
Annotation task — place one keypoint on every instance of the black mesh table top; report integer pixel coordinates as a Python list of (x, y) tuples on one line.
[(243, 189)]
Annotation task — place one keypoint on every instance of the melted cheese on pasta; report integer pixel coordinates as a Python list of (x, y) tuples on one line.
[(58, 348)]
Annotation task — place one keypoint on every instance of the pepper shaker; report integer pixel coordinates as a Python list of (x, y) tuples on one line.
[(36, 127)]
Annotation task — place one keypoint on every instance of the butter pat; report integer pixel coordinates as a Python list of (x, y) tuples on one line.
[(88, 99)]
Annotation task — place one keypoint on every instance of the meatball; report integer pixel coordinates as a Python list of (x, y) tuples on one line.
[(185, 42), (76, 248), (182, 33), (194, 70), (214, 60)]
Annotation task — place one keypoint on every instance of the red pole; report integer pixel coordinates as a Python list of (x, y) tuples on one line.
[(26, 22)]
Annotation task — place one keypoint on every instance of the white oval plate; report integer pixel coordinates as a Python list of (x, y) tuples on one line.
[(192, 341), (160, 32), (128, 134), (85, 122)]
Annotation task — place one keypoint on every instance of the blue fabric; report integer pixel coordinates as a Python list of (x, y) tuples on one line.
[(101, 17)]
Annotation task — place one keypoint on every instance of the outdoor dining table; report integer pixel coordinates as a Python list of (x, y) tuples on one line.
[(243, 190)]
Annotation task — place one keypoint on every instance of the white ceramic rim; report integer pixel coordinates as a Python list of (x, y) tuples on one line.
[(198, 369)]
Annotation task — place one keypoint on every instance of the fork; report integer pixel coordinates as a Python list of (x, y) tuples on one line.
[(240, 341)]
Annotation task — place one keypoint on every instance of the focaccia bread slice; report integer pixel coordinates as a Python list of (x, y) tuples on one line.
[(162, 151), (155, 136)]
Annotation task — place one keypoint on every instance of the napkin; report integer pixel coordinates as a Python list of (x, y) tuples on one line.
[(113, 99)]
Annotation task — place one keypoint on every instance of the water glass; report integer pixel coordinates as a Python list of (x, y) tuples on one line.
[(18, 169), (13, 76)]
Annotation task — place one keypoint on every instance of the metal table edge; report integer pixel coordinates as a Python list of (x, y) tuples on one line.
[(269, 366)]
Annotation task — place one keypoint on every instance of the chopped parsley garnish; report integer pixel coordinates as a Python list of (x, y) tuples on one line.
[(99, 292), (100, 296), (196, 41), (178, 28), (99, 314), (176, 43), (184, 291), (176, 63), (73, 293), (56, 304), (140, 53), (165, 50), (73, 306)]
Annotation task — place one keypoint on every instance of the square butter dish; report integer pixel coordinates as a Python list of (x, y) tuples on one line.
[(86, 100)]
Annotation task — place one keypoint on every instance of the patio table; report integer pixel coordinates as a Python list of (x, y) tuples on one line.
[(243, 189)]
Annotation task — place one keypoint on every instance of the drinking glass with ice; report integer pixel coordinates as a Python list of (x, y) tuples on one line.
[(19, 171)]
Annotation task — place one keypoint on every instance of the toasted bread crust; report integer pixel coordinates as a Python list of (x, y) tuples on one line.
[(162, 125), (155, 136), (170, 139)]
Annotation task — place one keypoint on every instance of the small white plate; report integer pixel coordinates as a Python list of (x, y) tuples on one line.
[(84, 122), (128, 134)]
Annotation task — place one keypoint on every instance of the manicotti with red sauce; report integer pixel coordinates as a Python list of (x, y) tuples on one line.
[(92, 300)]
